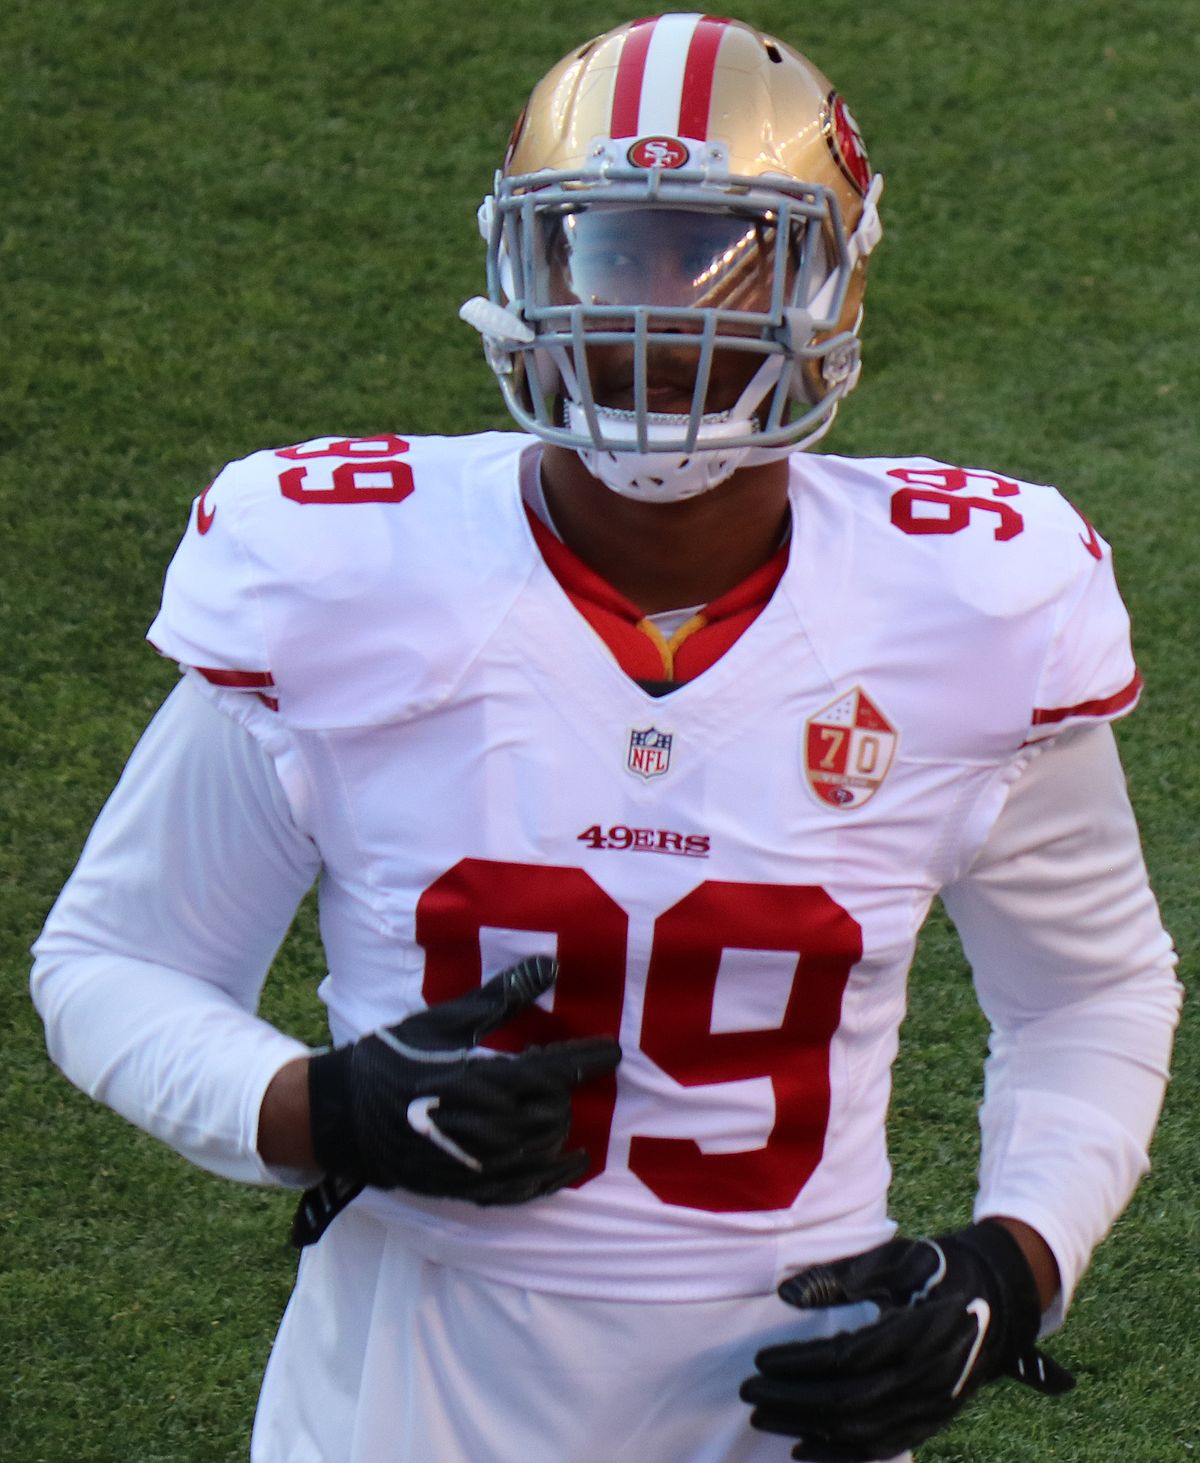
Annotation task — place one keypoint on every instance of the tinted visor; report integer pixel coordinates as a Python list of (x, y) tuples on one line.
[(664, 258)]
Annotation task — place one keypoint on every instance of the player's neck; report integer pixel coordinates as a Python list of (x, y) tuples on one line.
[(663, 556)]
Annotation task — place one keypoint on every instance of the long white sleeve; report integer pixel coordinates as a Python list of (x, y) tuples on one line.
[(151, 963), (1076, 975)]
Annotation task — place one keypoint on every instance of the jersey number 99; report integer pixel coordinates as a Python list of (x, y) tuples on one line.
[(677, 1018)]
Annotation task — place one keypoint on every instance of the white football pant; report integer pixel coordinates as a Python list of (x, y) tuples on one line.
[(384, 1356)]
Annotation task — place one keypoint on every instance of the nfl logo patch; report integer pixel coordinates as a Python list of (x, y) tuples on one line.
[(848, 748), (649, 753)]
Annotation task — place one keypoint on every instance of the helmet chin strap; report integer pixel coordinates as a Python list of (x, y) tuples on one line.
[(658, 477), (667, 477)]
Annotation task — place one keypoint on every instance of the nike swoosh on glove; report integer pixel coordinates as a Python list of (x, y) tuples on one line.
[(954, 1313), (416, 1106)]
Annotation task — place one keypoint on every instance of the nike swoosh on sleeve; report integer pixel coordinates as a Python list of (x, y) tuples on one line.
[(204, 516)]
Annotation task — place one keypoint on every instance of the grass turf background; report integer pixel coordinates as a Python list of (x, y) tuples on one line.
[(226, 226)]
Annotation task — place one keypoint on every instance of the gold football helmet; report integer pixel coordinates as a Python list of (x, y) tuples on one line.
[(677, 247)]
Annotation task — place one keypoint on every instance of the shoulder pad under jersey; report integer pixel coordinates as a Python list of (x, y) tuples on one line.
[(349, 581), (993, 598)]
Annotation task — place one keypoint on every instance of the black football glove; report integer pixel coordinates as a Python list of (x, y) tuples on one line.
[(412, 1106), (954, 1313)]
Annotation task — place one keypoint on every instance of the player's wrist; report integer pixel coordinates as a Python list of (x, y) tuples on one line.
[(1005, 1271), (1038, 1254), (284, 1137)]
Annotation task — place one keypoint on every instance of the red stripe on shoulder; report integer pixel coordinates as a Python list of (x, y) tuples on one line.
[(1106, 706), (237, 680)]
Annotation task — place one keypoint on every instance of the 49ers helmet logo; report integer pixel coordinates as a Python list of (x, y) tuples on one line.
[(658, 152), (848, 749), (847, 145)]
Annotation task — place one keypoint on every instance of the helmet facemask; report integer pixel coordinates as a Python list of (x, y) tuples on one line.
[(672, 305)]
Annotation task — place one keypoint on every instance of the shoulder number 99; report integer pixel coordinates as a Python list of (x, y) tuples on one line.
[(676, 1031), (940, 489), (361, 471)]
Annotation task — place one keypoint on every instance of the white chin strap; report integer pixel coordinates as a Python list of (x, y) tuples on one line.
[(660, 477)]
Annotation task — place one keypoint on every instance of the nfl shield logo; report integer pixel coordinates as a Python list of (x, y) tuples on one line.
[(649, 753), (848, 748)]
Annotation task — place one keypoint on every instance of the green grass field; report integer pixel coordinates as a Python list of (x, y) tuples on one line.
[(225, 226)]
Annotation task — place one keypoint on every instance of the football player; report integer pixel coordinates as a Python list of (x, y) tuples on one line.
[(636, 735)]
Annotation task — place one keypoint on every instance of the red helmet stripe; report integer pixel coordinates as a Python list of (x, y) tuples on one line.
[(698, 77), (627, 91)]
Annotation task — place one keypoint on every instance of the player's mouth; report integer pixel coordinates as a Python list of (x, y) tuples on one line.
[(672, 384), (673, 400)]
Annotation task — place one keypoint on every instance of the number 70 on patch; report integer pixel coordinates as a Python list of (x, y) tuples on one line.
[(849, 747)]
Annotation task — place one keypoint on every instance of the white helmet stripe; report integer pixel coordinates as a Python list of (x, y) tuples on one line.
[(662, 81)]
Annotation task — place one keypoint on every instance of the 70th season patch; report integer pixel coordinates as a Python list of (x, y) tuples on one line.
[(848, 748)]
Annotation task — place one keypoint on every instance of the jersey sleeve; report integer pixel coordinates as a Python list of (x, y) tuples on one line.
[(211, 619), (344, 588), (999, 585), (1088, 674), (148, 972), (1076, 976)]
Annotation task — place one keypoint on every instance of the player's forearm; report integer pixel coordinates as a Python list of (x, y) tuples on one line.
[(172, 1054), (1075, 973), (150, 965)]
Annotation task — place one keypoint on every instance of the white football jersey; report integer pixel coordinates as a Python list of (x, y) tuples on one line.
[(732, 875)]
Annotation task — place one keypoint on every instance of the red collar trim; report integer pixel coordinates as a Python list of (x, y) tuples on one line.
[(613, 616)]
